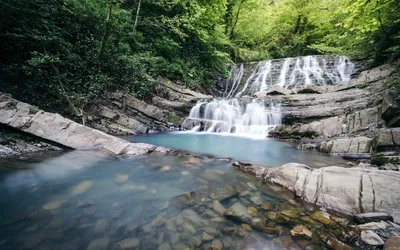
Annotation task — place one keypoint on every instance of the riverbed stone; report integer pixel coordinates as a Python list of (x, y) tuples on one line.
[(101, 226), (267, 206), (53, 204), (256, 200), (81, 188), (393, 243), (218, 207), (216, 245), (252, 211), (207, 237), (238, 212), (373, 226), (164, 246), (301, 231), (99, 244), (246, 227), (322, 217), (220, 194), (371, 238), (292, 213), (277, 217)]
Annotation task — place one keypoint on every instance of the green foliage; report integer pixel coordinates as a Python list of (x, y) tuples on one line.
[(68, 53)]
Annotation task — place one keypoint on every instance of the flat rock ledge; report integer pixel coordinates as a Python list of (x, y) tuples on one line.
[(56, 128), (347, 190)]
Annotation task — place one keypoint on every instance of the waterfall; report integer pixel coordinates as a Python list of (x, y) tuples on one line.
[(254, 117), (289, 73), (235, 116)]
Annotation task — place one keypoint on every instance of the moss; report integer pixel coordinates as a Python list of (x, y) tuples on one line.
[(174, 119)]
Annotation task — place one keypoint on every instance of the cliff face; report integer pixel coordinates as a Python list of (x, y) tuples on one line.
[(346, 119), (123, 114)]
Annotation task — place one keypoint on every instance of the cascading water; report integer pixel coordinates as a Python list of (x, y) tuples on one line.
[(289, 73), (255, 117), (241, 117)]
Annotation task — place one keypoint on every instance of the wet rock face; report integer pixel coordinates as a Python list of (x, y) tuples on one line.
[(372, 217)]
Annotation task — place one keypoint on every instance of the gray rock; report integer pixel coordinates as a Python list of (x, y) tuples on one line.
[(99, 244), (393, 243), (348, 190), (216, 245), (373, 226), (220, 194), (54, 127), (165, 246), (128, 243), (371, 238), (217, 206), (238, 212), (372, 217)]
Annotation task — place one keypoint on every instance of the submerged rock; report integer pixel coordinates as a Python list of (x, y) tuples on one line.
[(217, 206), (322, 217), (127, 244), (81, 188), (164, 246), (216, 245), (238, 212), (99, 244), (53, 205), (301, 231), (246, 227), (220, 194)]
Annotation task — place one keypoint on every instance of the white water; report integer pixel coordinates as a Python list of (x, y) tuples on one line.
[(257, 118), (233, 116), (291, 74)]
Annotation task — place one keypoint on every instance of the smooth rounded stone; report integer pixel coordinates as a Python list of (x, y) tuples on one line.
[(373, 226), (170, 225), (267, 206), (220, 194), (164, 246), (101, 226), (180, 246), (246, 227), (393, 243), (244, 193), (277, 217), (121, 178), (245, 202), (216, 245), (179, 220), (165, 168), (256, 200), (253, 212), (53, 205), (84, 203), (322, 217), (81, 188), (301, 231), (207, 237), (192, 216), (188, 228), (273, 230), (99, 244), (344, 222), (158, 221), (174, 238), (116, 213), (238, 212), (194, 241), (371, 238), (211, 231), (133, 188), (185, 173), (210, 175), (293, 213), (372, 217), (126, 244), (194, 160)]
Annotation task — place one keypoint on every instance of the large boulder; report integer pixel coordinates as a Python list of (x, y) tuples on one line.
[(386, 147), (360, 144), (390, 110), (351, 191), (63, 131)]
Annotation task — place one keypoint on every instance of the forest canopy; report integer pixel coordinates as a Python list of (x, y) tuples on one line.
[(71, 52)]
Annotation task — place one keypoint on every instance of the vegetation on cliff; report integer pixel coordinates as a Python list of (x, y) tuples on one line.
[(70, 52)]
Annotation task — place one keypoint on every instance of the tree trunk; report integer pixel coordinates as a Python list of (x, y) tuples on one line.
[(137, 16), (236, 20), (107, 30)]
